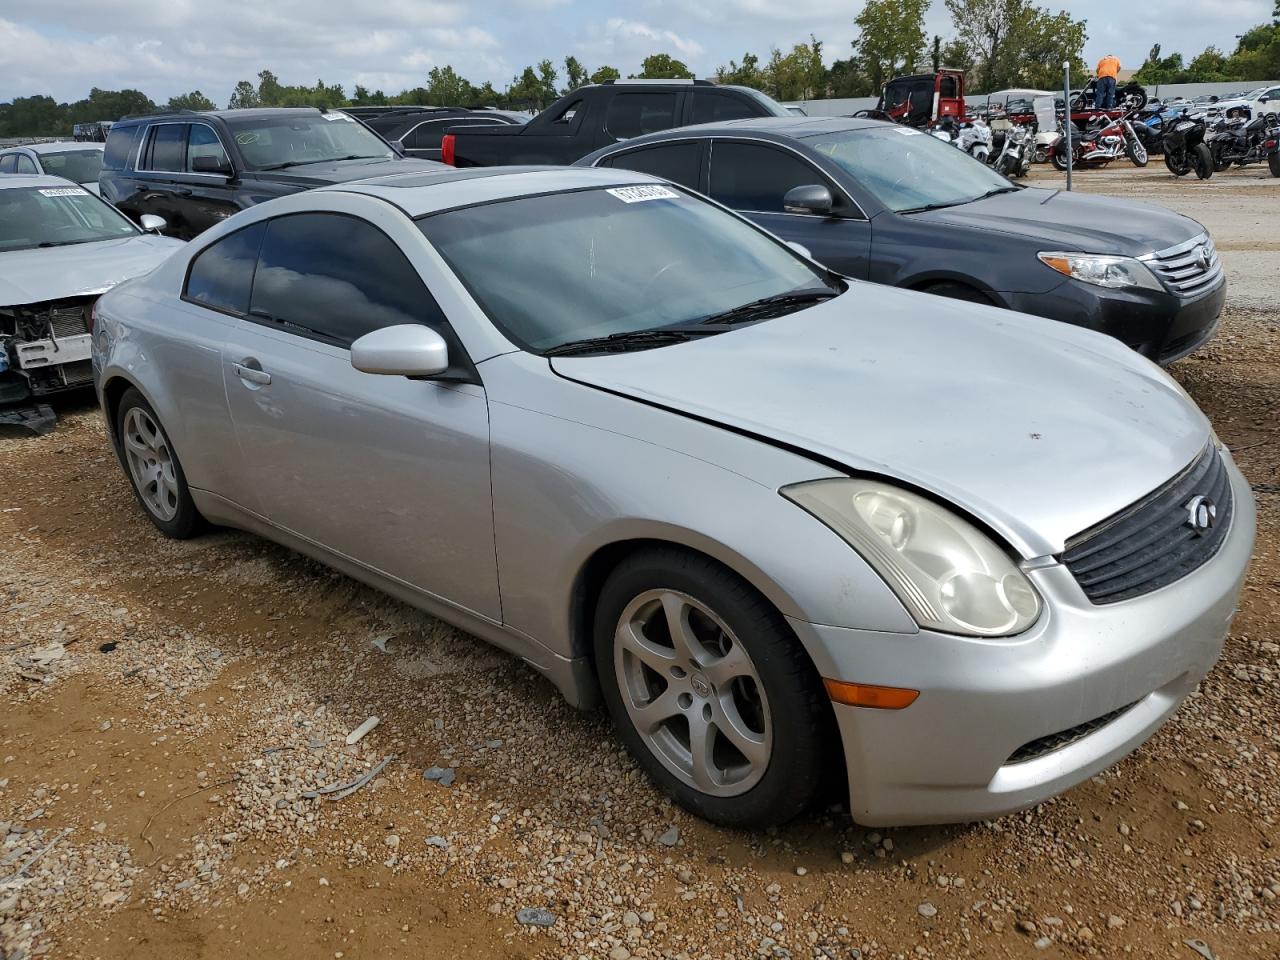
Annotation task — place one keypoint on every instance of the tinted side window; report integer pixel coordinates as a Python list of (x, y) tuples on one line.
[(26, 165), (711, 107), (168, 148), (203, 142), (336, 278), (633, 114), (427, 136), (9, 163), (221, 275), (120, 140), (677, 162), (751, 176)]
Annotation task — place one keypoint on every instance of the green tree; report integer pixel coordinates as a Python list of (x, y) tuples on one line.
[(891, 38), (605, 74), (846, 78), (547, 79), (662, 66), (1013, 42), (361, 97), (109, 105), (748, 74), (575, 74), (245, 95), (445, 88), (798, 75), (526, 91), (38, 116), (195, 100), (270, 93)]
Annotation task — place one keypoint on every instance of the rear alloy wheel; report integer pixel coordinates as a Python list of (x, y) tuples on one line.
[(710, 691), (153, 468)]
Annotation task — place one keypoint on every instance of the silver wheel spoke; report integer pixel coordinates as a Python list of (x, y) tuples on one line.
[(750, 744), (151, 464), (634, 642), (652, 715), (686, 644), (702, 742), (733, 664)]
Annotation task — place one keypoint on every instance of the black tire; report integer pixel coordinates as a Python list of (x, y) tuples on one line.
[(1138, 159), (186, 521), (1219, 162), (1273, 162), (958, 291), (1059, 155), (1134, 96), (804, 750), (1202, 159), (1178, 167)]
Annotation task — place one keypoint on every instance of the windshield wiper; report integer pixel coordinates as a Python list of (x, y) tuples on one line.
[(630, 339), (66, 243), (303, 163), (959, 203), (770, 306)]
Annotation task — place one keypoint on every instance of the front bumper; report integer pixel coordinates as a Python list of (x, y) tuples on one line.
[(946, 758), (1159, 325)]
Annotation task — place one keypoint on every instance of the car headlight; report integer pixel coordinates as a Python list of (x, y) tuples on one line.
[(1102, 270), (950, 575)]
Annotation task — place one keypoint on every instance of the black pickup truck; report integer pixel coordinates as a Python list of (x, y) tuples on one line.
[(597, 115)]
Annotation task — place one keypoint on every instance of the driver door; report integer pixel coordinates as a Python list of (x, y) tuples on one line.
[(390, 472), (753, 177)]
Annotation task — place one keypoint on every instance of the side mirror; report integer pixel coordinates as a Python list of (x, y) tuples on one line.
[(799, 248), (405, 350), (813, 199), (208, 164), (152, 224)]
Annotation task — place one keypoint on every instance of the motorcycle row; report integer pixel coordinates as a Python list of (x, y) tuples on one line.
[(1201, 142)]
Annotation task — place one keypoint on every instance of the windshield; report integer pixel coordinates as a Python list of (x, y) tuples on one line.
[(57, 216), (906, 170), (571, 266), (291, 140), (79, 166)]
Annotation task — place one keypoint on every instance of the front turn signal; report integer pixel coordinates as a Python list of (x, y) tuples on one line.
[(870, 695)]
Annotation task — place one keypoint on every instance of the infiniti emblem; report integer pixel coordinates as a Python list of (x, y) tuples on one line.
[(1201, 514), (1202, 258)]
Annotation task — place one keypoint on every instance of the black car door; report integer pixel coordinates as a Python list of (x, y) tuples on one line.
[(163, 157), (205, 197), (680, 161), (752, 177)]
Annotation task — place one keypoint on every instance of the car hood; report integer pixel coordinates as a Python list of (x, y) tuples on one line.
[(1039, 429), (318, 174), (1059, 220), (33, 276)]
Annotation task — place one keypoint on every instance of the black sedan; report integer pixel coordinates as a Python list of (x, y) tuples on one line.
[(886, 203)]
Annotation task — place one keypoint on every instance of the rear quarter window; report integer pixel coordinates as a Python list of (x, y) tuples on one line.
[(221, 275), (119, 150)]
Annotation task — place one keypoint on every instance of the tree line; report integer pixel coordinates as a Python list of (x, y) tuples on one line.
[(997, 43)]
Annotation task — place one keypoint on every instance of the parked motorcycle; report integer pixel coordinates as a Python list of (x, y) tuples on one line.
[(975, 140), (1185, 149), (1014, 156), (1242, 142), (1106, 140)]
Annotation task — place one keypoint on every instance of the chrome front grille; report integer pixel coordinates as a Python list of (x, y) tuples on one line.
[(1156, 541), (1188, 269)]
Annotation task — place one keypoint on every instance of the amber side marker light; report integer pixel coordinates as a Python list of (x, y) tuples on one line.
[(869, 695)]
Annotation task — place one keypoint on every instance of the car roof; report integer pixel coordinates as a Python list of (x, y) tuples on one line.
[(427, 191), (17, 180), (780, 128), (246, 112), (62, 146)]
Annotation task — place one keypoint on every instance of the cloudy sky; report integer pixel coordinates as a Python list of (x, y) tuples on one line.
[(163, 47)]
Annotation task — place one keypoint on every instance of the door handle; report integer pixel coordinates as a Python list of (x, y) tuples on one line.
[(183, 192), (250, 371)]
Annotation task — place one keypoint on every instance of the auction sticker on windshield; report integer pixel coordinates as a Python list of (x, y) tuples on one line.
[(62, 192), (639, 194)]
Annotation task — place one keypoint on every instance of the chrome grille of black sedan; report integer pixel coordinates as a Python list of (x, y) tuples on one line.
[(1159, 539), (1190, 268)]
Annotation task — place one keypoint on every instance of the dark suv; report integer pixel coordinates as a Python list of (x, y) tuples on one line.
[(195, 169)]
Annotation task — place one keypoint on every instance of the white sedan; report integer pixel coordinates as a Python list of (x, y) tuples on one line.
[(77, 162), (61, 247)]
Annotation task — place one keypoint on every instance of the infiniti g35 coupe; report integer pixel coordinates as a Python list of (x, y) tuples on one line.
[(776, 520)]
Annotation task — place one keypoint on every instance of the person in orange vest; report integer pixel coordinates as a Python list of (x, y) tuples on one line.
[(1104, 96)]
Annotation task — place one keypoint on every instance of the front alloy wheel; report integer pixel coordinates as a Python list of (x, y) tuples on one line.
[(154, 469), (711, 691), (692, 692)]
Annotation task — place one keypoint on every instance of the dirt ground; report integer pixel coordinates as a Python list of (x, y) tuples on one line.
[(165, 707)]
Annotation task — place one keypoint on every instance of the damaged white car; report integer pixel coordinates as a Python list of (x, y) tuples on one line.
[(61, 247)]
